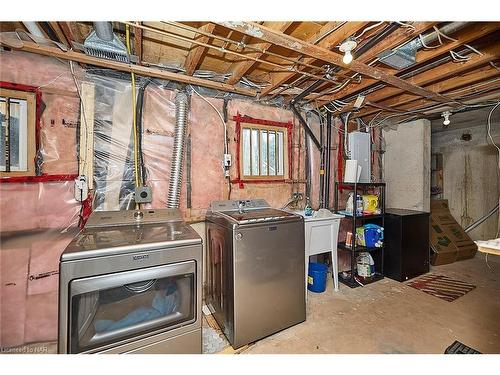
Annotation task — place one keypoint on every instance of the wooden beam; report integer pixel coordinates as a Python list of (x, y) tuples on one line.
[(124, 67), (59, 33), (320, 53), (331, 40), (67, 32), (138, 43), (474, 32), (395, 39), (196, 53), (86, 159), (239, 69)]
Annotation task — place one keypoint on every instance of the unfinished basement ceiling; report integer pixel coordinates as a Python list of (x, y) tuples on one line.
[(456, 63)]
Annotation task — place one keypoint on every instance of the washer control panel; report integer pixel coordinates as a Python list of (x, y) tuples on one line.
[(239, 204)]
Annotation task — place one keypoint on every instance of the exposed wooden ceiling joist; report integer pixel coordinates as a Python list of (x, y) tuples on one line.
[(239, 69), (331, 40), (67, 32), (59, 33), (394, 40), (138, 43), (123, 67), (195, 55), (450, 87), (470, 34), (328, 56), (432, 75)]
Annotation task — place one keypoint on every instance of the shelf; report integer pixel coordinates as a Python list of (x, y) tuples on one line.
[(353, 284), (361, 184), (359, 248), (363, 217)]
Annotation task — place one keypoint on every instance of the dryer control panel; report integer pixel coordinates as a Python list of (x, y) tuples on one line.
[(131, 217)]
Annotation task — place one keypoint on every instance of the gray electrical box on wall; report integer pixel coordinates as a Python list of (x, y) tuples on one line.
[(359, 149)]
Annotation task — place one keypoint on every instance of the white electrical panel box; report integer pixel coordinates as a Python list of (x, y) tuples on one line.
[(359, 149)]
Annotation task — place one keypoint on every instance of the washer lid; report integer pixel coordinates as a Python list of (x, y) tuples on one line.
[(113, 240), (259, 216)]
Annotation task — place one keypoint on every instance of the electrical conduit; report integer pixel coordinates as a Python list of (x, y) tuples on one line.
[(134, 117)]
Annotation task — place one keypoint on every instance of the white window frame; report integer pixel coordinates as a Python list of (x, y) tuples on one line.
[(284, 154), (27, 132)]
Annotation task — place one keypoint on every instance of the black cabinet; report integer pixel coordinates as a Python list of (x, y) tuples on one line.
[(406, 235)]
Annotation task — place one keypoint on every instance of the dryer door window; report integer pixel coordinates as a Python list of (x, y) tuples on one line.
[(112, 309)]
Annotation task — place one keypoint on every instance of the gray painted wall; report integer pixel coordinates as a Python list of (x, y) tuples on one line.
[(471, 174), (407, 165)]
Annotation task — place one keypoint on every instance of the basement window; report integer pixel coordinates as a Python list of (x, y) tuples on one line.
[(17, 133), (263, 152)]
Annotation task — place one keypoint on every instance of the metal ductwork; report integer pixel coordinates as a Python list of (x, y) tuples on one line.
[(103, 43), (34, 29), (405, 56), (181, 113), (104, 31)]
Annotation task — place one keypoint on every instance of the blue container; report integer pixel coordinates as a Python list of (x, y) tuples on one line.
[(374, 235), (316, 278)]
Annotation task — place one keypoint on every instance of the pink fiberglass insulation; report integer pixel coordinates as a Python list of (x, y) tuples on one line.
[(14, 275), (44, 261), (41, 317), (207, 149), (36, 70), (31, 206)]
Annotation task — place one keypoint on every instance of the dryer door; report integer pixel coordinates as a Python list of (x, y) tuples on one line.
[(115, 308)]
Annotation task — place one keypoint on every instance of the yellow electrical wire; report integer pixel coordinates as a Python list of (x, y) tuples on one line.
[(136, 159)]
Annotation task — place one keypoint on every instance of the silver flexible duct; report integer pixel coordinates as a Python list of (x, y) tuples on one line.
[(181, 113), (104, 30)]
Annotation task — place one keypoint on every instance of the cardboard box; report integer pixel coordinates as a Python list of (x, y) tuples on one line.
[(448, 240), (443, 249)]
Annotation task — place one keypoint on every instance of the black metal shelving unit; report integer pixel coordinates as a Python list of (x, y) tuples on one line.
[(376, 252)]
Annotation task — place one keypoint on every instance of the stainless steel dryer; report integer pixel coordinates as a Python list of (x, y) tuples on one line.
[(130, 282), (255, 269)]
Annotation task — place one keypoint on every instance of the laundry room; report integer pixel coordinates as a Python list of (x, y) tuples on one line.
[(249, 187)]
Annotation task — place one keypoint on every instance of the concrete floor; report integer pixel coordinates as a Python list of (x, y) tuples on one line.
[(390, 317)]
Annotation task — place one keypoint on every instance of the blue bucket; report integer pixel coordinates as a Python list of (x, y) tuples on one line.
[(316, 280)]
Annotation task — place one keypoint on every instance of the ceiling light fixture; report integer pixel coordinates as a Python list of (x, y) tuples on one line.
[(446, 116), (347, 46)]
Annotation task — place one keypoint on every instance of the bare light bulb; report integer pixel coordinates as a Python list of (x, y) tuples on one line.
[(347, 57), (446, 116)]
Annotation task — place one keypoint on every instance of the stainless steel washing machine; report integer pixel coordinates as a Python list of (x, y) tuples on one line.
[(255, 269), (130, 282)]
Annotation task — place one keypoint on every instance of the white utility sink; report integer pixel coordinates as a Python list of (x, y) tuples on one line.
[(321, 232)]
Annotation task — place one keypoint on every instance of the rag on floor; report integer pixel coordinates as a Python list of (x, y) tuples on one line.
[(164, 303)]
